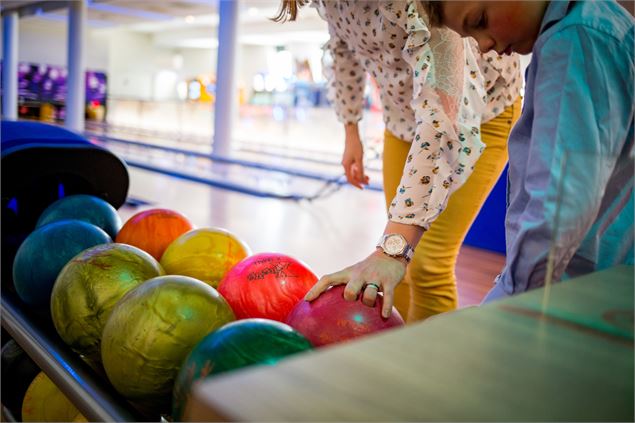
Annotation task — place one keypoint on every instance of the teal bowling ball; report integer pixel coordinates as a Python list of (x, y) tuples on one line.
[(44, 253), (87, 208), (236, 345)]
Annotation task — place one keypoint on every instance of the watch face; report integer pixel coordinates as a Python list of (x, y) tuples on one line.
[(394, 244)]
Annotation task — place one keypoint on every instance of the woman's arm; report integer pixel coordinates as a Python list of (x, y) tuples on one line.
[(353, 157), (346, 82)]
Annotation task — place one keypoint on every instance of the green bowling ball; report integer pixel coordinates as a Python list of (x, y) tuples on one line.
[(236, 345), (153, 328), (87, 208), (89, 286)]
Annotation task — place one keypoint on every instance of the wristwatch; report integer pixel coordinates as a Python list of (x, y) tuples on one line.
[(395, 245)]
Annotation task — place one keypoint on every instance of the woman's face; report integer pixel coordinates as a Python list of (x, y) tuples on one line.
[(504, 26)]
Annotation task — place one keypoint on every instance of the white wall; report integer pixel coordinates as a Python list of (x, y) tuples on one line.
[(132, 65), (136, 62), (46, 42), (198, 61), (250, 61)]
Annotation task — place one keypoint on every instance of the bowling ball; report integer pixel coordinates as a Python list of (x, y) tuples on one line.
[(17, 371), (44, 402), (235, 345), (205, 254), (89, 286), (87, 208), (151, 331), (331, 319), (266, 285), (45, 251), (153, 230)]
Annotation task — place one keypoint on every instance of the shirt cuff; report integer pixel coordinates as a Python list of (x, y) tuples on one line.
[(496, 293)]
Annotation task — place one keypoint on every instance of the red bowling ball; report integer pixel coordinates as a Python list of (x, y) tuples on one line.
[(266, 285), (331, 319)]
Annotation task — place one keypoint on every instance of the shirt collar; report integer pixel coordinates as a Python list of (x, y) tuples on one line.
[(556, 10)]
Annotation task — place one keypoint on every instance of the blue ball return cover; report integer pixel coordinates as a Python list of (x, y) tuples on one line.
[(42, 163)]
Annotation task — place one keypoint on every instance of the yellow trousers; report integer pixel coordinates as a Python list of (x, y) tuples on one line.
[(429, 286)]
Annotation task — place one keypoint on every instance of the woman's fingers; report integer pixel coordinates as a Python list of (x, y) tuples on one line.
[(324, 282), (389, 299), (348, 171), (353, 288), (370, 294), (355, 173), (357, 170)]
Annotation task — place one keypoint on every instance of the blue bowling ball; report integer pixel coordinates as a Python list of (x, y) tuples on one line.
[(84, 207), (44, 253)]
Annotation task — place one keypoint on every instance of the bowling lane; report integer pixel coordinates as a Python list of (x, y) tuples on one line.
[(324, 161), (327, 234), (220, 172)]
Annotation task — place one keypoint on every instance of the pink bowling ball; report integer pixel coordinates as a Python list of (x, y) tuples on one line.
[(331, 319)]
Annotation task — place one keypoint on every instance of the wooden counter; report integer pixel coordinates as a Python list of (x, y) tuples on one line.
[(504, 361)]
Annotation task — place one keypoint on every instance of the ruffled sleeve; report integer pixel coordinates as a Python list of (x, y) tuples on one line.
[(447, 141), (346, 79), (502, 80)]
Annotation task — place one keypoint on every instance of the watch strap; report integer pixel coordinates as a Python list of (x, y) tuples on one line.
[(408, 253)]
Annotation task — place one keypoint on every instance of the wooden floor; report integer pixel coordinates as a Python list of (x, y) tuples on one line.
[(327, 234), (475, 273)]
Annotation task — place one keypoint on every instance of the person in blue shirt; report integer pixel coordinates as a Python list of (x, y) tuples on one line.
[(570, 190), (570, 196)]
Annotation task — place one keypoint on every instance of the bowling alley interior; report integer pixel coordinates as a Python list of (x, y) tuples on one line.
[(316, 210)]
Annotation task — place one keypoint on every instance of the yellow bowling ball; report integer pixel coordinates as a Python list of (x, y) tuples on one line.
[(153, 328), (205, 254), (44, 402), (89, 286)]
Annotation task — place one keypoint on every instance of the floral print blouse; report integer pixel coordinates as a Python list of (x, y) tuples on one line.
[(435, 87)]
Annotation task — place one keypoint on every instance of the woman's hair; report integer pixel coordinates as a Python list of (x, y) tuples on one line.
[(289, 10), (434, 10)]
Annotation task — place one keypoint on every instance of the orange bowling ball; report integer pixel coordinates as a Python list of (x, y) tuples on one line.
[(153, 230)]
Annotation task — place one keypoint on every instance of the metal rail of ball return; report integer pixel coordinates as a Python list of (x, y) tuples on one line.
[(222, 182), (94, 397)]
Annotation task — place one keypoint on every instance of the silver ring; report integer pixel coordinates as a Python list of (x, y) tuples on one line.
[(374, 285)]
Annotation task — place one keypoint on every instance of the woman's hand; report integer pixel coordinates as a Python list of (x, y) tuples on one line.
[(377, 272), (353, 158)]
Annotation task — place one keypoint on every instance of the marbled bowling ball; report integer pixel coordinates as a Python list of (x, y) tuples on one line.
[(266, 285), (44, 402), (153, 328), (236, 345), (205, 254), (331, 319), (89, 286), (153, 230), (44, 253), (87, 208)]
